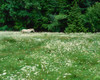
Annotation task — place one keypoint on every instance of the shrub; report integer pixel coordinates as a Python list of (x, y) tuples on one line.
[(92, 18), (4, 28), (75, 20), (58, 23)]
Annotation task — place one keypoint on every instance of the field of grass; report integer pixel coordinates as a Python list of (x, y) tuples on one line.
[(49, 56)]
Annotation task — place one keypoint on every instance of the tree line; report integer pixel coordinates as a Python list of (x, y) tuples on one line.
[(50, 15)]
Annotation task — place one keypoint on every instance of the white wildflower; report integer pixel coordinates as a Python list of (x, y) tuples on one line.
[(66, 74)]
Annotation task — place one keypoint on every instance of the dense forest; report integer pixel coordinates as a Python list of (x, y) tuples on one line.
[(50, 15)]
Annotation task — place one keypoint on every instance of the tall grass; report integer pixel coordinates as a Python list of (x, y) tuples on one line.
[(49, 56)]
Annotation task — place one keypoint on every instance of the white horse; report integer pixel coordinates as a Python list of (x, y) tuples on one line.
[(28, 31)]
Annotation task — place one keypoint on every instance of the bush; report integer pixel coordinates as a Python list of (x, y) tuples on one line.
[(19, 26), (92, 18), (58, 23), (4, 28), (75, 20)]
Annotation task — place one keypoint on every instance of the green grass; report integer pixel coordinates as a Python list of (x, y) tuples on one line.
[(49, 56)]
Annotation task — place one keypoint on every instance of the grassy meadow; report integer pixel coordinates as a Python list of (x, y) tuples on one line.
[(49, 56)]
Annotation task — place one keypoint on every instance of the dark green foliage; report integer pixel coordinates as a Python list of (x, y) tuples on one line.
[(58, 23), (75, 19), (92, 18), (48, 15)]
